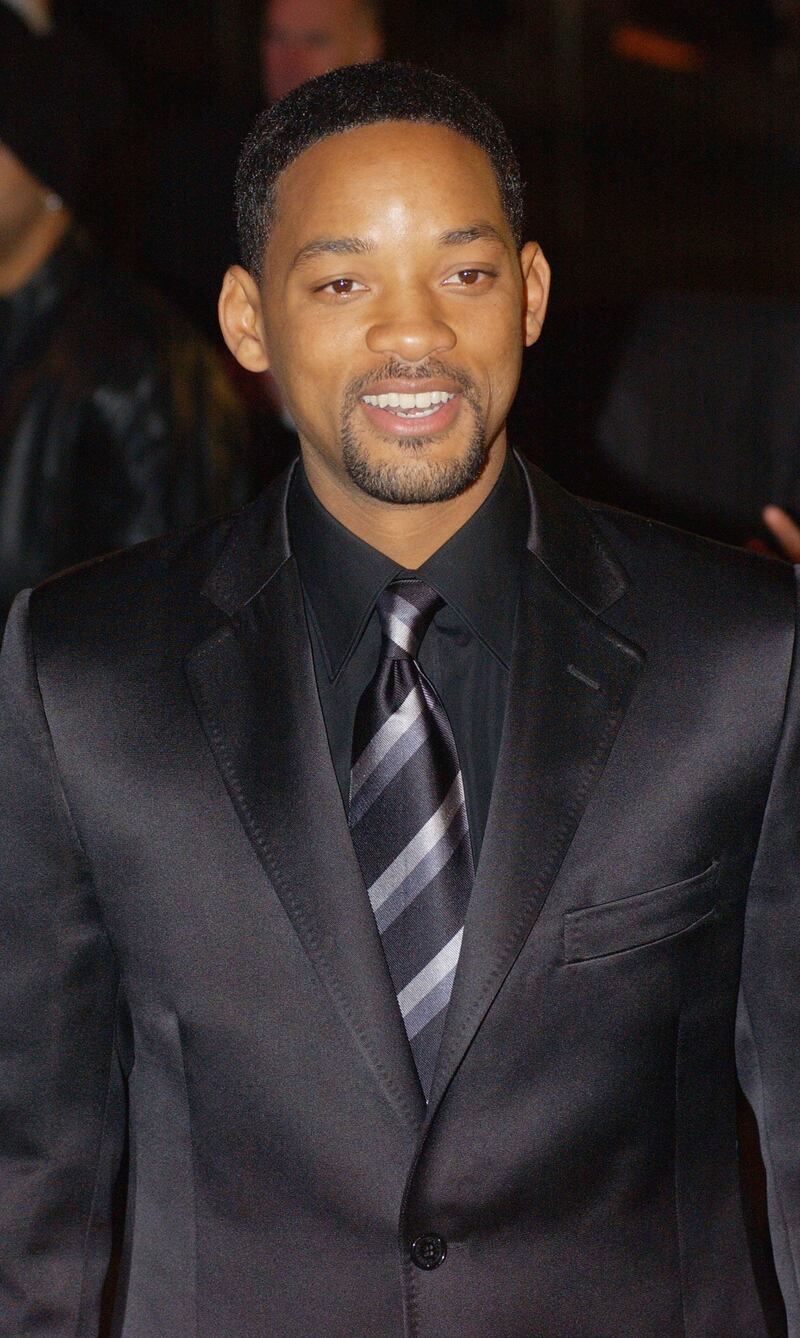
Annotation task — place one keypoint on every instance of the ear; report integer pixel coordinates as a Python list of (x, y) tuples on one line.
[(241, 319), (536, 281)]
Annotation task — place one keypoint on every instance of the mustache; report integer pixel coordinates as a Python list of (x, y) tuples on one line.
[(410, 371)]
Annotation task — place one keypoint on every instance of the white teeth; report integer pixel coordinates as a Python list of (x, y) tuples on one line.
[(426, 399)]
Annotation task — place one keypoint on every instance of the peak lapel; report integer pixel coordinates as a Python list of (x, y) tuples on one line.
[(253, 682), (570, 681)]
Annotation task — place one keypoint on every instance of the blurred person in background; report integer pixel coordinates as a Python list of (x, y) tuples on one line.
[(702, 421), (304, 38), (116, 420), (36, 13), (688, 400)]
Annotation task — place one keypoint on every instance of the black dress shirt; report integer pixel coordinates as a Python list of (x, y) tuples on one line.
[(467, 648)]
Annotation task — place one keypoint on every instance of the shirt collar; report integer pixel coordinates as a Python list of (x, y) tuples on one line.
[(476, 572)]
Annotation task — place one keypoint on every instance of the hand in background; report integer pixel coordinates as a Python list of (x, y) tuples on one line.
[(785, 530)]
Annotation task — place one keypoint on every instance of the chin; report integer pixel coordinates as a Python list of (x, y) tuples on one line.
[(412, 475)]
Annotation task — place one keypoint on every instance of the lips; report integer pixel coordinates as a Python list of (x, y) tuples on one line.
[(419, 405), (406, 408)]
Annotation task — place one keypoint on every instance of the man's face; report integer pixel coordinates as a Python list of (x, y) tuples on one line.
[(393, 309), (304, 38)]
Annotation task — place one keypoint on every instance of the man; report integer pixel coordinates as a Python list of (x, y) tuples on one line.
[(304, 38), (116, 420), (380, 858)]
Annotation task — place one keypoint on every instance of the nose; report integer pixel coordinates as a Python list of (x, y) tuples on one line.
[(411, 330)]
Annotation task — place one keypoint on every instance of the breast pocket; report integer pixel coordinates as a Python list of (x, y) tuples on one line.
[(634, 922)]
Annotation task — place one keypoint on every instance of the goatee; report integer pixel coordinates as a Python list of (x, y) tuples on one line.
[(413, 477)]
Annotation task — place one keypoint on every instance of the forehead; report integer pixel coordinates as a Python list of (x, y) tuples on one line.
[(378, 177), (306, 15)]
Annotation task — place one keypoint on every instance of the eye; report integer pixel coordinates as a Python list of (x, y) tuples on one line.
[(341, 287), (468, 278)]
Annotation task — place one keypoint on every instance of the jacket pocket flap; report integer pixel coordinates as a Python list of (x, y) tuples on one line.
[(633, 922)]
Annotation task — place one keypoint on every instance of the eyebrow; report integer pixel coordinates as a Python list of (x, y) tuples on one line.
[(359, 246), (333, 246), (476, 232)]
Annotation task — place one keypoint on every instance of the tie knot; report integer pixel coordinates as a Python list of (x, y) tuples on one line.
[(406, 609)]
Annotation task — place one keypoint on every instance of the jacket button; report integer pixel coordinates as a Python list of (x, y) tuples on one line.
[(428, 1251)]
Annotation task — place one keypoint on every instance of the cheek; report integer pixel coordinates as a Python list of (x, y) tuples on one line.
[(496, 339), (297, 354), (310, 380), (503, 373), (320, 356)]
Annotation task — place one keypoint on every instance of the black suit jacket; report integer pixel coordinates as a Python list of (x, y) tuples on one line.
[(188, 953)]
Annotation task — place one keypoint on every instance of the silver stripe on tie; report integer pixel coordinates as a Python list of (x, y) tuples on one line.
[(430, 976), (401, 634), (419, 846), (425, 872), (405, 610), (390, 731), (401, 751), (430, 1006)]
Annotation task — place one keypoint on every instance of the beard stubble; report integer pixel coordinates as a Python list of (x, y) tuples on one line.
[(413, 477)]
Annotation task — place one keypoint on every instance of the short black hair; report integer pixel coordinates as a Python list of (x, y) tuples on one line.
[(345, 99)]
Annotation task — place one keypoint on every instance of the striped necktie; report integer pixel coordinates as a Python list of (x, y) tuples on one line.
[(408, 821)]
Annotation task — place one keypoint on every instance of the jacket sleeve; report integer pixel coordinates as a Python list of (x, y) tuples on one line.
[(61, 1110), (768, 1021), (169, 449)]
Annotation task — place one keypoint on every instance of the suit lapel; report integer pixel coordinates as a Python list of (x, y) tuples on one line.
[(570, 681), (253, 682)]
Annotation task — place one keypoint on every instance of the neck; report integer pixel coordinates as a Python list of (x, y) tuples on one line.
[(409, 535), (30, 251)]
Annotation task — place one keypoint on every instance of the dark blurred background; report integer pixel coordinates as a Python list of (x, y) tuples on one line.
[(660, 137)]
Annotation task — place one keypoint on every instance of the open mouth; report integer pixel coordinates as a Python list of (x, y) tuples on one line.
[(422, 405), (406, 411)]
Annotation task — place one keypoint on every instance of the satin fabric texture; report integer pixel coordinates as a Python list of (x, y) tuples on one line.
[(190, 968)]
